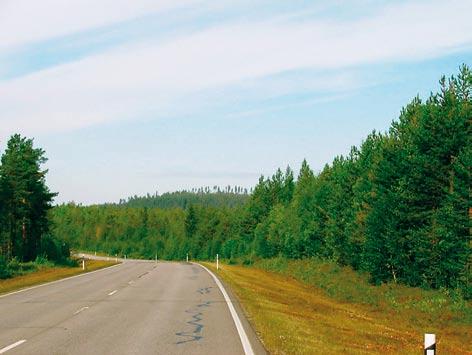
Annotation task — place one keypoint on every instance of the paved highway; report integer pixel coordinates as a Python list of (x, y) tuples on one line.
[(137, 307)]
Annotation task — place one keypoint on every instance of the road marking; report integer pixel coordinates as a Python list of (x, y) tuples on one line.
[(112, 293), (80, 310), (14, 345), (130, 282), (57, 281), (237, 322)]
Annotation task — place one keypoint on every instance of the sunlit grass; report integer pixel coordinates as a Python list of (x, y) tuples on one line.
[(293, 317), (347, 285), (49, 273)]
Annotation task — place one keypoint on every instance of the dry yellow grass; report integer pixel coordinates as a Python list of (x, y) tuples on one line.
[(294, 318), (48, 274)]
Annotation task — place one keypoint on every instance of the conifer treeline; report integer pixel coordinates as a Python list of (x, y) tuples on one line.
[(216, 196), (24, 202), (398, 206)]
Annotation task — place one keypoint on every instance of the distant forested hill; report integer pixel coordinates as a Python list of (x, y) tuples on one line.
[(216, 197)]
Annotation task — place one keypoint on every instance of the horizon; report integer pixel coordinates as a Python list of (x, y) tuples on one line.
[(131, 98)]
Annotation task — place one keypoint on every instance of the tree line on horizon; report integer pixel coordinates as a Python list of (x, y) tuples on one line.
[(216, 196), (397, 207)]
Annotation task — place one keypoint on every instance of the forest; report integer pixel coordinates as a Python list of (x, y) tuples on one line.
[(216, 196), (397, 207)]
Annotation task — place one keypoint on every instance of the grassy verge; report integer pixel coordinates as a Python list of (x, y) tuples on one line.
[(48, 273), (445, 307), (293, 314)]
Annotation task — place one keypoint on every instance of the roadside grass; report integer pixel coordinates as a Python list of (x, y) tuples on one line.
[(38, 274), (311, 307), (345, 284)]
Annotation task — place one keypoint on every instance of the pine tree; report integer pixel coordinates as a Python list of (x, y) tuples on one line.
[(25, 198)]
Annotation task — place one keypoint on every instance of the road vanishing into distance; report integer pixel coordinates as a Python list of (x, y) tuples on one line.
[(136, 307)]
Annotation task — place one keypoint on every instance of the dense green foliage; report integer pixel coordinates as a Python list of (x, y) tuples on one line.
[(217, 197), (145, 232), (25, 200), (397, 207), (24, 203)]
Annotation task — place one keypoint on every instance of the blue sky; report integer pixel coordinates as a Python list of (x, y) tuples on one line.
[(130, 97)]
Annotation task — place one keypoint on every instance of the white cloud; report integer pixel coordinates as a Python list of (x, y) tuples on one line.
[(23, 21), (162, 77)]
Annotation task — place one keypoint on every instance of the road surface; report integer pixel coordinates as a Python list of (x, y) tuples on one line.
[(137, 307)]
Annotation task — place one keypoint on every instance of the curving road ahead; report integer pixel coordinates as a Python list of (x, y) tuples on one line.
[(137, 307)]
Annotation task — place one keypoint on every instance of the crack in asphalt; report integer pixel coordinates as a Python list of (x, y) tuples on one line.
[(204, 290), (196, 322)]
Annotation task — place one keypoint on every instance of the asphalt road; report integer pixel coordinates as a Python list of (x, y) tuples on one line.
[(136, 307)]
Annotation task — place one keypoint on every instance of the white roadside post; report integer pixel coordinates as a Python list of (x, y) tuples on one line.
[(116, 258), (217, 262), (187, 257), (83, 263), (430, 344)]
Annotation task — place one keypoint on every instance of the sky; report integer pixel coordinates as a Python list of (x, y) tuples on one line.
[(133, 97)]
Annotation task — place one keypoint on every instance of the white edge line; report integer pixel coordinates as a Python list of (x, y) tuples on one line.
[(237, 322), (57, 281), (14, 345), (112, 293)]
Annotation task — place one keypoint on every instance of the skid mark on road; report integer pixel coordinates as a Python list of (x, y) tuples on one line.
[(196, 322)]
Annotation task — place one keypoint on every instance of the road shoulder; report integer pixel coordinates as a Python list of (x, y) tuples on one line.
[(254, 339)]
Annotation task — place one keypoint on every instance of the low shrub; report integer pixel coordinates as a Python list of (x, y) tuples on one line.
[(14, 265), (4, 271)]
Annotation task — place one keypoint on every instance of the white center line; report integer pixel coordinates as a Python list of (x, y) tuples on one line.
[(9, 347), (112, 293), (80, 310)]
